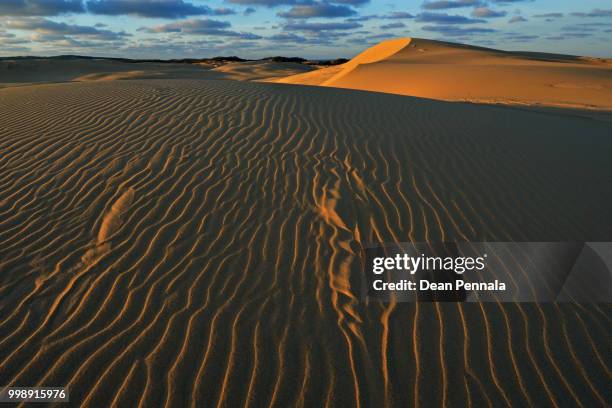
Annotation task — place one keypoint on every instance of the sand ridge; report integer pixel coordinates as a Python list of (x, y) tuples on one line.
[(233, 213), (261, 70), (381, 52), (39, 71), (458, 72)]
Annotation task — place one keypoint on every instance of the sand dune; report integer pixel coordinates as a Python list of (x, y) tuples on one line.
[(456, 72), (261, 70), (196, 243), (64, 70), (31, 71)]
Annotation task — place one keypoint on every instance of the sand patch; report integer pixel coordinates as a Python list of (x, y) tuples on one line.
[(114, 217)]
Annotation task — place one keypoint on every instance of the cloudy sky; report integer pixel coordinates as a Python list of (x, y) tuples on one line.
[(307, 28)]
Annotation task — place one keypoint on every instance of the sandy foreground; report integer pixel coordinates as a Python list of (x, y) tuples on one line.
[(195, 242)]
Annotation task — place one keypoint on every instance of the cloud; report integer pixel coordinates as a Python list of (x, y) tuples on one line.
[(443, 18), (40, 7), (4, 34), (394, 15), (350, 2), (549, 15), (520, 37), (594, 13), (370, 39), (148, 8), (275, 3), (13, 41), (158, 47), (43, 26), (318, 10), (201, 26), (248, 11), (450, 4), (392, 26), (572, 35), (453, 31), (594, 24), (286, 37), (223, 11), (398, 15), (316, 27), (194, 26), (486, 12), (8, 49), (517, 19), (578, 27), (364, 18), (267, 3)]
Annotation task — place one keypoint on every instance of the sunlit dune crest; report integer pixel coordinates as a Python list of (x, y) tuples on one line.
[(457, 72)]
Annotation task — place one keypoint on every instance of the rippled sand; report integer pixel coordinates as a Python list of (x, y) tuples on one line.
[(196, 243)]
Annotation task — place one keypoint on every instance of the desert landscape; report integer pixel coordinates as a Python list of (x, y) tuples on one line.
[(189, 234)]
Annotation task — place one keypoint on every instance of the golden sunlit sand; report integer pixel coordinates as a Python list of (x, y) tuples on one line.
[(456, 72), (196, 241)]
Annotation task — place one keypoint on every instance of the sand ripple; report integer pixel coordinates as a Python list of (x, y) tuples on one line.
[(196, 243)]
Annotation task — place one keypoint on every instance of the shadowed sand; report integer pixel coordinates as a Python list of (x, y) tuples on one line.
[(31, 71), (261, 70), (196, 243), (457, 72)]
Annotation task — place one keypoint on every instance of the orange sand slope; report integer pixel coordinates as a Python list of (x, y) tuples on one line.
[(197, 243), (456, 72)]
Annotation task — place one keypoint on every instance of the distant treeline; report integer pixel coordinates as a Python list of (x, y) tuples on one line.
[(233, 58), (299, 60)]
